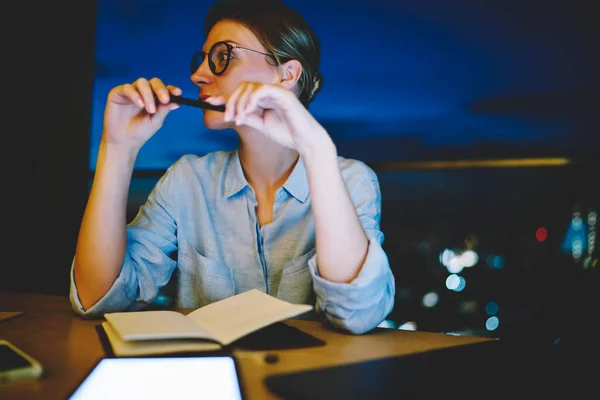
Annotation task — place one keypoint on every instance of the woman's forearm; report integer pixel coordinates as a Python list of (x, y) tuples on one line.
[(340, 238), (102, 236)]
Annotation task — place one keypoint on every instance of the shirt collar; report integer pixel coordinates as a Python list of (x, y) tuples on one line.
[(296, 184), (234, 176)]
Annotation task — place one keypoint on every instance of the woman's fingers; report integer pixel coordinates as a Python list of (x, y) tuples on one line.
[(254, 121), (132, 94), (174, 90), (163, 95), (253, 102), (151, 94), (251, 98), (216, 101), (160, 90), (247, 91), (145, 90), (230, 106), (246, 99), (163, 92)]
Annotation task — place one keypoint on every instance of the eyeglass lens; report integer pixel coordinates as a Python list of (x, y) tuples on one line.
[(218, 59)]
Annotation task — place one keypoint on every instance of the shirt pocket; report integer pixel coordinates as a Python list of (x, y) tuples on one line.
[(202, 280), (296, 281)]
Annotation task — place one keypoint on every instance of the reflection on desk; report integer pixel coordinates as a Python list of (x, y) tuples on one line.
[(497, 369)]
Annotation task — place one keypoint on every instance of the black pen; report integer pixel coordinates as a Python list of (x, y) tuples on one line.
[(196, 103)]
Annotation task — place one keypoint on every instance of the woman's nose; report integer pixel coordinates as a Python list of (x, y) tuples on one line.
[(202, 74)]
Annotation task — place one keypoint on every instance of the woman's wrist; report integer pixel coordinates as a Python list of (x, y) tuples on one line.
[(118, 152), (319, 148), (116, 157)]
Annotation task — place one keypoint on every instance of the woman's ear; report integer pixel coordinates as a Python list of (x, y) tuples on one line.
[(291, 72)]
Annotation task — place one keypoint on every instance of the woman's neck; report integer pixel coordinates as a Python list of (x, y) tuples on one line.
[(266, 164)]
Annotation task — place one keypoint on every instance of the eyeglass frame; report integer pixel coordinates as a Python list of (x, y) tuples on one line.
[(230, 47)]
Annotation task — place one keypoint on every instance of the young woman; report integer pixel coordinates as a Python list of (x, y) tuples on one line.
[(282, 213)]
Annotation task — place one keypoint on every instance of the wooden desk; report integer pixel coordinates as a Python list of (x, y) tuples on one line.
[(68, 346)]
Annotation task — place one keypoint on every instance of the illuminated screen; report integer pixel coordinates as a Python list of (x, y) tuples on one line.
[(167, 378)]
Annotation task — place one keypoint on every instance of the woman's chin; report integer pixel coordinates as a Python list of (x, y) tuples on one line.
[(214, 120)]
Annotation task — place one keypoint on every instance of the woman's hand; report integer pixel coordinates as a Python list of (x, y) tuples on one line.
[(274, 111), (133, 115)]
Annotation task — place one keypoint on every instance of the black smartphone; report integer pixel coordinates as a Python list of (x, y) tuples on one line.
[(15, 364)]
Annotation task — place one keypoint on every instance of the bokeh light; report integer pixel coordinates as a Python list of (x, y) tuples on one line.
[(430, 299), (492, 323), (541, 234), (491, 308)]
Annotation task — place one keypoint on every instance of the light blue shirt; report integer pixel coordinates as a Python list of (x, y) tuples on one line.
[(200, 221)]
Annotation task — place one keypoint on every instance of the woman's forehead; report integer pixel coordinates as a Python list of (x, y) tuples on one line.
[(232, 32)]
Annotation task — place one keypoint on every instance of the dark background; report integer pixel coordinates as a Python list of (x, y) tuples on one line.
[(407, 84)]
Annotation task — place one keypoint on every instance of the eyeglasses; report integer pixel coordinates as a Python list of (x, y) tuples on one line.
[(219, 57)]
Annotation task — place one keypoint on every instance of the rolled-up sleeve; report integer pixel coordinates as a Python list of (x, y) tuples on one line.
[(362, 304), (118, 298), (148, 263)]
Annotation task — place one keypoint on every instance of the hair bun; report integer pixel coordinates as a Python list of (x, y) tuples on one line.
[(317, 84)]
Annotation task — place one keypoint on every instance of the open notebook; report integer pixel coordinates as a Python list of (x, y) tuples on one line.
[(208, 328)]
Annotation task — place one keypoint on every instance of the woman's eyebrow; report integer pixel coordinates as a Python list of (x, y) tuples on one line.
[(226, 41)]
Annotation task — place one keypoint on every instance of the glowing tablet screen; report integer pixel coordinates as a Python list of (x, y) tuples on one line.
[(167, 378)]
